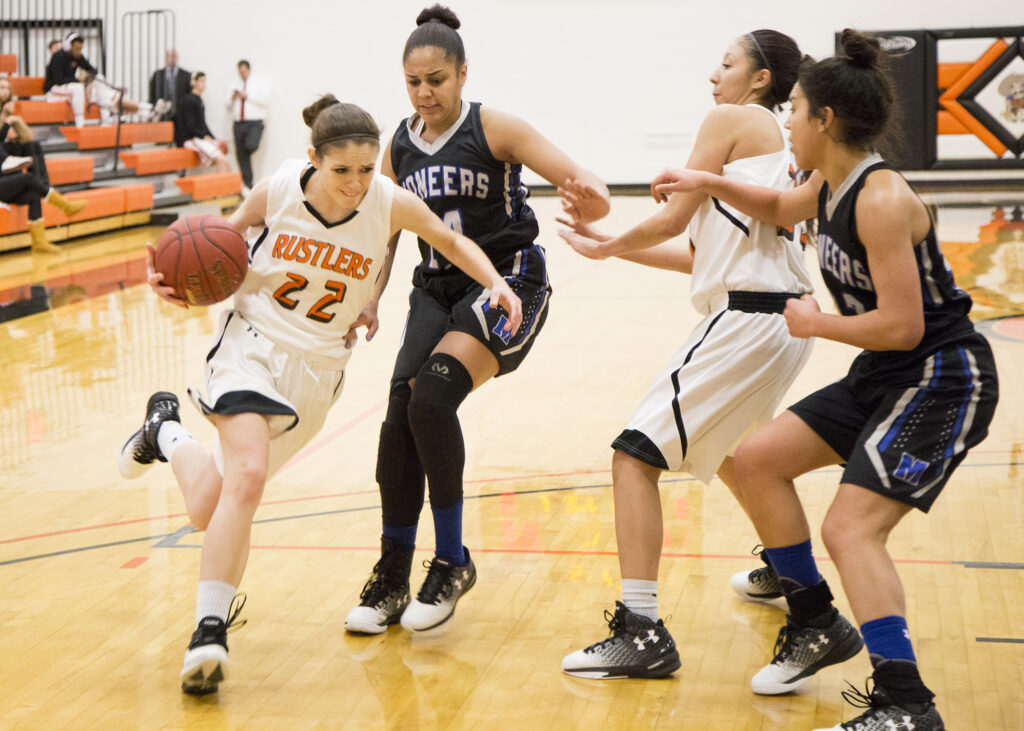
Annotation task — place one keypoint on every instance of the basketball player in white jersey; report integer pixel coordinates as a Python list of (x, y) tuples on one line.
[(734, 368), (279, 356)]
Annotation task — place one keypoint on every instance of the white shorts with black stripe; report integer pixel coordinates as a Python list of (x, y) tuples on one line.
[(246, 372), (726, 381)]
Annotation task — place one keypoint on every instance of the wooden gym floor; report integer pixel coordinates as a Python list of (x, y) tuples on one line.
[(97, 575)]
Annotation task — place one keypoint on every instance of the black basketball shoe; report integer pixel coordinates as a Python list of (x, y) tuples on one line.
[(386, 593), (889, 709), (206, 659), (638, 648), (759, 585), (141, 449), (435, 603), (800, 652)]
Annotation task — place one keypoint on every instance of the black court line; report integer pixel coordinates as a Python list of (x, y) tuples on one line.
[(83, 548), (1008, 640), (170, 540)]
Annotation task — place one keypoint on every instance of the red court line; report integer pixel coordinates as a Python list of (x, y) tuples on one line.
[(135, 562), (569, 552)]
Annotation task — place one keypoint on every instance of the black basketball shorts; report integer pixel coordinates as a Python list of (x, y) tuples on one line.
[(903, 437), (436, 310)]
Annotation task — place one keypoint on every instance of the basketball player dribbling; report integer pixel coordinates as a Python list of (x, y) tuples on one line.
[(277, 365), (465, 161), (733, 370), (922, 392)]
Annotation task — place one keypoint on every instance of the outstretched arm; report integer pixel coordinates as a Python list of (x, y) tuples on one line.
[(412, 214), (765, 204), (513, 140)]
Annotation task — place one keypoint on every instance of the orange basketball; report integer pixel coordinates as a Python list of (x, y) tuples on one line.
[(203, 257)]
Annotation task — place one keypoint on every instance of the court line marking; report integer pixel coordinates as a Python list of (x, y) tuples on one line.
[(171, 540), (1011, 640)]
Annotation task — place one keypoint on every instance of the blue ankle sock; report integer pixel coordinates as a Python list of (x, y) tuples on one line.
[(448, 529), (888, 637), (402, 535), (795, 562)]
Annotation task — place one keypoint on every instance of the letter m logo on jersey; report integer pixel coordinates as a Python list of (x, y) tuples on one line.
[(910, 469), (499, 330)]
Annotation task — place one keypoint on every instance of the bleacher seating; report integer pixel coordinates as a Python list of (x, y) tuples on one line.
[(44, 112), (27, 85), (97, 138), (211, 185), (69, 170), (111, 205), (151, 162)]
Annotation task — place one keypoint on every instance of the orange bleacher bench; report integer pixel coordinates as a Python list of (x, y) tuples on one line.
[(95, 138), (27, 85), (8, 63), (151, 162), (38, 112), (67, 170), (212, 185), (103, 202)]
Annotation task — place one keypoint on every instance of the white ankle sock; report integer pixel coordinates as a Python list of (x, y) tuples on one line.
[(641, 597), (214, 599), (171, 436)]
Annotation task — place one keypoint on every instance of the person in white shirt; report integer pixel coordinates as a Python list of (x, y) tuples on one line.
[(248, 103)]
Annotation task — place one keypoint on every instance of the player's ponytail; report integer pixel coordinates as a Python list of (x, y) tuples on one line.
[(856, 86), (336, 123), (437, 26)]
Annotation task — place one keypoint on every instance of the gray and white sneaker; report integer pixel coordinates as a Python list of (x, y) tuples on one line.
[(759, 585), (385, 594), (435, 603), (638, 648), (800, 652), (141, 449)]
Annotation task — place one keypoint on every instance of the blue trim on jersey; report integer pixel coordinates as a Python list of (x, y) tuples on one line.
[(732, 219), (894, 430), (924, 274), (547, 295), (961, 414)]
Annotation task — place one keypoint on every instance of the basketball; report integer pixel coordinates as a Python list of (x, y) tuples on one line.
[(203, 257)]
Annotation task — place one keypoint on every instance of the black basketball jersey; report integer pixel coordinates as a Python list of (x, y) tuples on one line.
[(844, 268), (472, 192)]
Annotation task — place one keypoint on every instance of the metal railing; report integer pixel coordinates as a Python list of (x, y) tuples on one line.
[(28, 26)]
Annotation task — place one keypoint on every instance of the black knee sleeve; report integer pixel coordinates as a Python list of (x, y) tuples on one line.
[(399, 472), (442, 384)]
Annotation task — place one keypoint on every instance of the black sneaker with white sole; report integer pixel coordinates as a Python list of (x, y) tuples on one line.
[(386, 593), (206, 659), (435, 603), (893, 704), (800, 652), (759, 585), (141, 449), (638, 648)]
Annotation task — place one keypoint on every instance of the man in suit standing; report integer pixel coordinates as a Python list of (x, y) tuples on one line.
[(247, 100), (171, 83)]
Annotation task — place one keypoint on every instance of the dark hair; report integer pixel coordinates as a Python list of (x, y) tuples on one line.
[(337, 123), (196, 75), (856, 86), (437, 26), (245, 63), (777, 52)]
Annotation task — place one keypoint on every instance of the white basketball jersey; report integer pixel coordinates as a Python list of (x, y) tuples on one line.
[(733, 251), (308, 279)]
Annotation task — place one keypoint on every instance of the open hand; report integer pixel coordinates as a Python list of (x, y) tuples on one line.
[(583, 202), (675, 180), (156, 280)]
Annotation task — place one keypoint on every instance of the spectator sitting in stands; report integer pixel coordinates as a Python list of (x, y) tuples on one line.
[(21, 188), (15, 136), (191, 131), (70, 77), (54, 46)]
